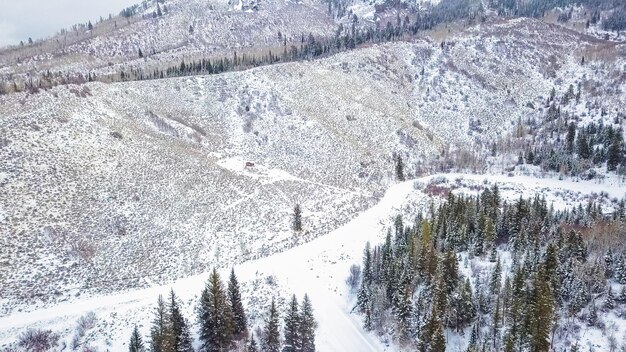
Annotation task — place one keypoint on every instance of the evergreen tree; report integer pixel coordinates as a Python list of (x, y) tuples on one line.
[(215, 317), (252, 347), (161, 332), (496, 278), (297, 218), (293, 341), (571, 135), (584, 151), (271, 336), (180, 337), (89, 27), (399, 169), (542, 313), (609, 303), (240, 324), (615, 154), (136, 342), (307, 326), (140, 53), (364, 294)]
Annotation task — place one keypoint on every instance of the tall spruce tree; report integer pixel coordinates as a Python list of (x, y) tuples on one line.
[(399, 168), (215, 317), (240, 324), (297, 218), (161, 332), (542, 314), (364, 294), (180, 337), (307, 325), (615, 153), (271, 334), (136, 342), (293, 340)]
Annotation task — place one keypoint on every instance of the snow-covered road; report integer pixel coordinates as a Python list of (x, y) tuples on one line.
[(318, 268)]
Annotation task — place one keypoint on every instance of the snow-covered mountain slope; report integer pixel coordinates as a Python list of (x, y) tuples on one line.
[(317, 268), (101, 184), (186, 29)]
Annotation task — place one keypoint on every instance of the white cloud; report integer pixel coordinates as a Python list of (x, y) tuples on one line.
[(21, 19)]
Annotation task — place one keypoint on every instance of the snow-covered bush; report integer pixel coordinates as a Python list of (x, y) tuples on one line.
[(37, 340)]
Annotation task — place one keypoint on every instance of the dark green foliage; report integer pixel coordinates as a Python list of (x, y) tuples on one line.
[(399, 168), (615, 153), (307, 325), (179, 329), (271, 334), (616, 21), (240, 323), (571, 135), (293, 340), (215, 317), (412, 288), (297, 218), (161, 335), (136, 342)]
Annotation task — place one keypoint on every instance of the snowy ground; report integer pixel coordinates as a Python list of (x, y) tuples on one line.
[(318, 268)]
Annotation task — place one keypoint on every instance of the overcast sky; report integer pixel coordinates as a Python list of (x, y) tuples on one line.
[(20, 19)]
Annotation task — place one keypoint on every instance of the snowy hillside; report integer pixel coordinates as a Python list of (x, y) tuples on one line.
[(102, 179), (317, 268), (114, 193), (185, 29)]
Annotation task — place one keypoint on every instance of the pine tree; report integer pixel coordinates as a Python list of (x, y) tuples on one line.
[(180, 337), (293, 341), (140, 53), (363, 296), (432, 338), (297, 218), (252, 347), (161, 332), (609, 303), (614, 157), (571, 135), (542, 312), (214, 316), (399, 169), (271, 336), (307, 325), (136, 342), (496, 324), (89, 27), (240, 324), (584, 151), (496, 278)]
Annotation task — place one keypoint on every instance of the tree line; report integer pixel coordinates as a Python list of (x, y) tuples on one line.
[(223, 325), (309, 46)]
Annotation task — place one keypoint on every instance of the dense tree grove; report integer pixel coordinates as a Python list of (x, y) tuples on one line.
[(558, 265), (223, 325), (584, 146)]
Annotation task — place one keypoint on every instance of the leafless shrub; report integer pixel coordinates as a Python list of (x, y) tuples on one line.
[(36, 340), (82, 249)]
